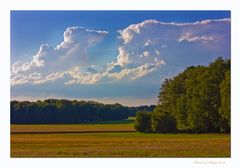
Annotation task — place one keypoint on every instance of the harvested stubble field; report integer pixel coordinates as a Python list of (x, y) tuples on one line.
[(111, 140)]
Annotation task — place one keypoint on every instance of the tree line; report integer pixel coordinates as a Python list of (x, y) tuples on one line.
[(195, 101), (52, 111)]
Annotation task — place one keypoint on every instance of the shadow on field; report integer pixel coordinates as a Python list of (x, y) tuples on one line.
[(71, 132)]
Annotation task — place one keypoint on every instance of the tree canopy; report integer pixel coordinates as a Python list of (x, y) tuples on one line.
[(196, 100)]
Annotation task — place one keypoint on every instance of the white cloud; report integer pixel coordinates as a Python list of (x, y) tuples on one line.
[(37, 61), (143, 48), (81, 36), (123, 57), (79, 77), (19, 79), (142, 43), (128, 33), (146, 53), (52, 63), (136, 72), (191, 38)]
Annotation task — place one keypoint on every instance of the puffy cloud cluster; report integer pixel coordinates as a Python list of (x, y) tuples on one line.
[(143, 43), (50, 64), (85, 37), (144, 48)]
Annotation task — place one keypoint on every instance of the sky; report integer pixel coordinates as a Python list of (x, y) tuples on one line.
[(110, 56)]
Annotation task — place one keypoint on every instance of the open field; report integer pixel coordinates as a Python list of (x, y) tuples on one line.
[(107, 126), (111, 140), (81, 128)]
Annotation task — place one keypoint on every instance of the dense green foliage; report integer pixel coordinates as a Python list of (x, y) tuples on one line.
[(225, 107), (66, 111), (162, 122), (143, 122), (196, 100)]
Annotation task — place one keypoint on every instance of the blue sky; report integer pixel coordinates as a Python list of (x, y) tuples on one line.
[(110, 56)]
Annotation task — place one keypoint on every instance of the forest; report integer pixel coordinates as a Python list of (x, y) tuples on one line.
[(54, 111), (195, 101)]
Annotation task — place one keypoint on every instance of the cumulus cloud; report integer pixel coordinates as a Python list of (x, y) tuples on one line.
[(74, 35), (37, 61), (128, 34), (144, 42), (51, 63), (143, 48)]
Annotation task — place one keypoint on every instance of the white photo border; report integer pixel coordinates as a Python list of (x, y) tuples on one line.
[(7, 6)]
